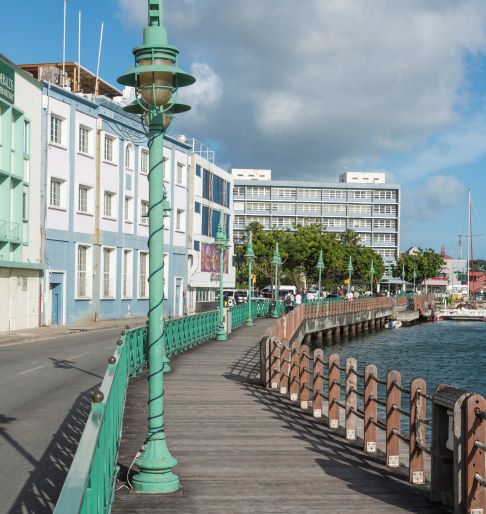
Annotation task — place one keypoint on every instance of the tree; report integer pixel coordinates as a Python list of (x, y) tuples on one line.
[(427, 264)]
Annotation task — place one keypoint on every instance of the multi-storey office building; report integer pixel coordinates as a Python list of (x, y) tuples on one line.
[(211, 195), (372, 209), (95, 182), (20, 198)]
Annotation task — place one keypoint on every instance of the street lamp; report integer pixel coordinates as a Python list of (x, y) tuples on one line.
[(221, 243), (372, 273), (320, 268), (403, 278), (250, 258), (414, 280), (156, 79), (350, 270), (276, 261)]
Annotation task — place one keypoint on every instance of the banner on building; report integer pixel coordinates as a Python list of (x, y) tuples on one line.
[(7, 82), (210, 259)]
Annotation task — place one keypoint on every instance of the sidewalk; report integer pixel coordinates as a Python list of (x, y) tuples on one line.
[(42, 333)]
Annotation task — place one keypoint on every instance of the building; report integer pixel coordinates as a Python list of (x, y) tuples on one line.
[(251, 174), (210, 196), (360, 177), (21, 260), (95, 185), (370, 208)]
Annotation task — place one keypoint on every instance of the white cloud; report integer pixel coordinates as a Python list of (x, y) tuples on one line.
[(309, 85)]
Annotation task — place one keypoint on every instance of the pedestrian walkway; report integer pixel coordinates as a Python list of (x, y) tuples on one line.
[(42, 333), (244, 449)]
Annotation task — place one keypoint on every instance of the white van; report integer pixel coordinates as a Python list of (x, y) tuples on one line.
[(267, 291)]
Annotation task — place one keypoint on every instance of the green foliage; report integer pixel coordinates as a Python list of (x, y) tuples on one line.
[(427, 264), (300, 250)]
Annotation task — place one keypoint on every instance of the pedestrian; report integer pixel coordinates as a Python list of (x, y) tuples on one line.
[(289, 303), (298, 298)]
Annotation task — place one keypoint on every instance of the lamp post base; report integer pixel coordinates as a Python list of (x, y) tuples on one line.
[(221, 336), (155, 464), (249, 322)]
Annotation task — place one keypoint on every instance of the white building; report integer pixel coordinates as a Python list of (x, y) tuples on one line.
[(251, 174), (363, 177), (210, 194), (21, 263)]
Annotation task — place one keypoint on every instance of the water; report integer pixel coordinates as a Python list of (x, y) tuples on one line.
[(451, 353)]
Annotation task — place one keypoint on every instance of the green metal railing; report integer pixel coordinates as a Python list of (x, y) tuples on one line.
[(88, 488), (259, 309)]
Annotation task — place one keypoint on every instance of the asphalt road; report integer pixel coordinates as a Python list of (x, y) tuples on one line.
[(45, 389)]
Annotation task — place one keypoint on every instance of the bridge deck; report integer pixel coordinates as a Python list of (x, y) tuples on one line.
[(242, 448)]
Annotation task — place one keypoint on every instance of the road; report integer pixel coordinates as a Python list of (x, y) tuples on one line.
[(45, 388)]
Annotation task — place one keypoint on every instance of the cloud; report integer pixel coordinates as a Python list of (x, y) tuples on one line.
[(309, 86)]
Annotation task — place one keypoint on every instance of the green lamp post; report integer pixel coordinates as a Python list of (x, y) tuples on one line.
[(320, 268), (250, 258), (389, 276), (414, 280), (372, 273), (403, 278), (276, 261), (156, 79), (350, 270), (221, 243)]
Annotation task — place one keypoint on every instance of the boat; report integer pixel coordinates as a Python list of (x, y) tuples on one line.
[(393, 324)]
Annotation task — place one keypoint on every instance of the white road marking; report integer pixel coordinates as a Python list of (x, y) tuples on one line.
[(76, 356), (30, 370)]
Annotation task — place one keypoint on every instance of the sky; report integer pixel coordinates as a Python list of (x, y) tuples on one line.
[(311, 88)]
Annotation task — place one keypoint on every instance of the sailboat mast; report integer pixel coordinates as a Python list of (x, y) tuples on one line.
[(469, 240)]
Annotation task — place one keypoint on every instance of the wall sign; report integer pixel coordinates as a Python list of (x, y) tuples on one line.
[(7, 83)]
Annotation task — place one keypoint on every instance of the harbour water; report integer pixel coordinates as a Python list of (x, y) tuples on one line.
[(442, 353)]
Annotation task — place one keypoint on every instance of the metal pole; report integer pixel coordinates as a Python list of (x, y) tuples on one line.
[(319, 290), (221, 334), (249, 321)]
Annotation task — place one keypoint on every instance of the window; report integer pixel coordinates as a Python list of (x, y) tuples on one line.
[(257, 191), (359, 209), (56, 199), (26, 138), (384, 238), (144, 161), (127, 268), (82, 290), (25, 206), (283, 222), (305, 222), (83, 142), (109, 145), (309, 207), (385, 209), (142, 275), (334, 223), (283, 207), (144, 208), (258, 219), (335, 208), (389, 224), (359, 223), (108, 207), (359, 194), (385, 252), (108, 273), (257, 206), (240, 221), (128, 209), (180, 174), (386, 195), (335, 193), (129, 157), (56, 130), (198, 170), (310, 193), (283, 192), (83, 202), (180, 220), (365, 238), (239, 190)]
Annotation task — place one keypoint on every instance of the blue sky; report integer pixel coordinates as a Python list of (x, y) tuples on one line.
[(308, 90)]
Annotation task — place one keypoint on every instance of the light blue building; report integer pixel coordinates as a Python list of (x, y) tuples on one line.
[(95, 210)]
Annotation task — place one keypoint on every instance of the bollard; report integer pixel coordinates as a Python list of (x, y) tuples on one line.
[(475, 457), (304, 377), (370, 408), (284, 367), (334, 391), (275, 363), (393, 398), (318, 383), (418, 411), (294, 371), (351, 398)]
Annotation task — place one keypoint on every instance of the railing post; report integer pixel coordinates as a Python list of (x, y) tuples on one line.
[(351, 398), (418, 412), (284, 367), (393, 398), (304, 377), (318, 383), (370, 408), (294, 371), (334, 391), (276, 346), (475, 457)]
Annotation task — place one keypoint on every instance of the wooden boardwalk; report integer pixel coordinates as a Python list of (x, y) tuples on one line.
[(244, 449)]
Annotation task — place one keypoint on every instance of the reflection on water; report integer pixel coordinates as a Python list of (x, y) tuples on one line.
[(442, 353)]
